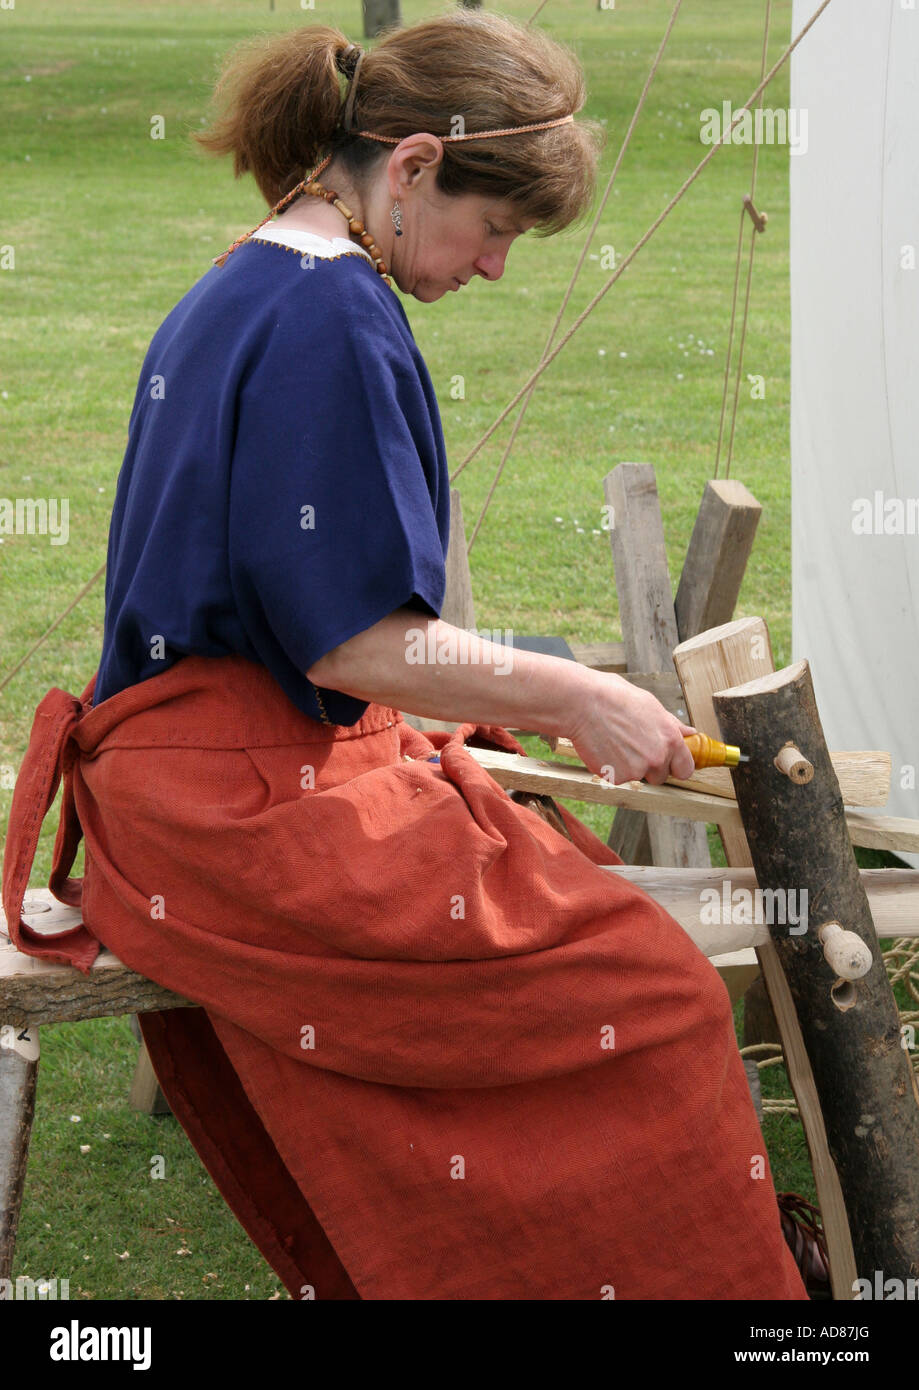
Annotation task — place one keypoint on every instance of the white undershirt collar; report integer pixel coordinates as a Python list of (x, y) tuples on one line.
[(326, 247)]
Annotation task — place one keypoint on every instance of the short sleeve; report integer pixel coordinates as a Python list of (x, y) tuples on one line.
[(339, 500)]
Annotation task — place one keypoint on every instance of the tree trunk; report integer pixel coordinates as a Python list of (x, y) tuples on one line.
[(797, 834)]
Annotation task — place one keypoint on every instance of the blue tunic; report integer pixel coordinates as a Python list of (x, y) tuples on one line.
[(285, 481)]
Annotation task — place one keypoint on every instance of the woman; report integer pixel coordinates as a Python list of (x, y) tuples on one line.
[(441, 1053)]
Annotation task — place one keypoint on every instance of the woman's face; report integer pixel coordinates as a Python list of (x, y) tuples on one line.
[(447, 239)]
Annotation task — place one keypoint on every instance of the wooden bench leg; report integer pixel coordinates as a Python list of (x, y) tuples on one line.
[(146, 1095), (18, 1076)]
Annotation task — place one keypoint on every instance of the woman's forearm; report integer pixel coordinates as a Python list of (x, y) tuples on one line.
[(423, 666), (427, 667)]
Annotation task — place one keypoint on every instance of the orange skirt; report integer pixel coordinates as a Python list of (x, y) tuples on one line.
[(441, 1053)]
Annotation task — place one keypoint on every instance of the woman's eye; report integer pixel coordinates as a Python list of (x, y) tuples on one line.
[(493, 230)]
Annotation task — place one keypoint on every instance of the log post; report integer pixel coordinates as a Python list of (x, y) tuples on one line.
[(18, 1075), (731, 655), (458, 607), (649, 634), (716, 560), (851, 1028), (380, 15)]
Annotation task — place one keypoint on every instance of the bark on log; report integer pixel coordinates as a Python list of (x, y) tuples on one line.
[(868, 1091), (731, 655)]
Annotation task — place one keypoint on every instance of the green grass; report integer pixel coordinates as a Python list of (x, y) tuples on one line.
[(111, 227)]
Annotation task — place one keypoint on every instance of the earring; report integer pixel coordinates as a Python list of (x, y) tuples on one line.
[(396, 215)]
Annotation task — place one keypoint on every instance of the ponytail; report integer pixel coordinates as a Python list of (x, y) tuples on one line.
[(281, 102)]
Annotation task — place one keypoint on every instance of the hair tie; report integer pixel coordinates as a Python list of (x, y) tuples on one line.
[(350, 65)]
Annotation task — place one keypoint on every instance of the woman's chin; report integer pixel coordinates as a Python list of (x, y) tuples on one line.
[(427, 291)]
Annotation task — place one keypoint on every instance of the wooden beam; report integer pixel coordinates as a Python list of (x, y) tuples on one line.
[(730, 654), (146, 1094), (706, 663), (864, 775), (561, 779), (458, 606), (716, 560), (38, 991), (894, 833), (846, 1010), (549, 778), (34, 991), (600, 656), (649, 631), (18, 1075), (893, 895)]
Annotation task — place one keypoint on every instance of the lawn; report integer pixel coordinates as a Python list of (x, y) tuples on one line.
[(110, 227)]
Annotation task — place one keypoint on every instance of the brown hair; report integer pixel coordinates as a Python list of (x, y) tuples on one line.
[(282, 107)]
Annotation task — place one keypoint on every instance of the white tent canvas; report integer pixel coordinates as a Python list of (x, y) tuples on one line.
[(855, 378)]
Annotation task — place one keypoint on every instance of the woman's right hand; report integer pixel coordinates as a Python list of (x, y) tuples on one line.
[(622, 733)]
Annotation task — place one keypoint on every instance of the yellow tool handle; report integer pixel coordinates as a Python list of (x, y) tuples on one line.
[(708, 752)]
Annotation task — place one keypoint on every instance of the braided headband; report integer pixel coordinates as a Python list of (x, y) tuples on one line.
[(350, 68), (476, 135)]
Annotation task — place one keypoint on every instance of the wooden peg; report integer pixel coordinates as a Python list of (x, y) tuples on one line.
[(759, 218), (845, 952), (792, 763)]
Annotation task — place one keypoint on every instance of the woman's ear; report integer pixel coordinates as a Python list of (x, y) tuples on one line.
[(411, 158)]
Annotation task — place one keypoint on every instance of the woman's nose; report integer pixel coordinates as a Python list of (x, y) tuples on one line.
[(491, 266)]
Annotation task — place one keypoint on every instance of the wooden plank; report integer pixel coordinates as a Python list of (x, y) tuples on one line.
[(713, 571), (561, 779), (39, 991), (600, 656), (458, 606), (844, 1001), (711, 657), (712, 661), (511, 770), (649, 630), (636, 533), (36, 991), (863, 775), (893, 894), (894, 833)]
